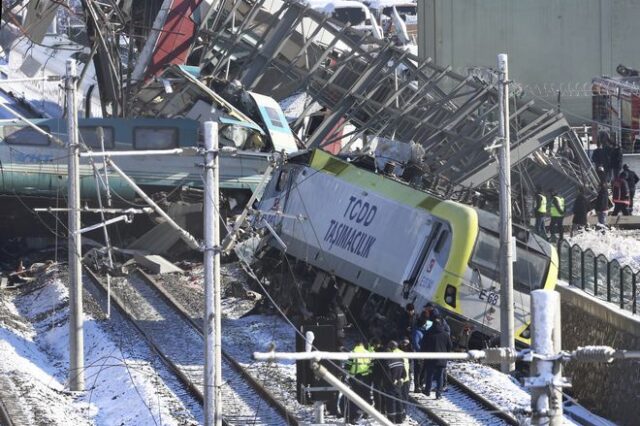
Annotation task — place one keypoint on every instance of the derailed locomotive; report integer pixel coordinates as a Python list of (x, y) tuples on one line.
[(380, 244)]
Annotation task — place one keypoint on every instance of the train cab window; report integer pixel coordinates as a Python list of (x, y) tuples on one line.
[(22, 135), (441, 240), (486, 255), (155, 138), (89, 135), (529, 268), (274, 117)]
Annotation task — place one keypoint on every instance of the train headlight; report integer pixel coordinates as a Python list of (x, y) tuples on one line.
[(450, 295), (526, 333)]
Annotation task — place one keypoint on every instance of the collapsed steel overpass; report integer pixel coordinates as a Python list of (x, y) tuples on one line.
[(281, 48), (384, 91)]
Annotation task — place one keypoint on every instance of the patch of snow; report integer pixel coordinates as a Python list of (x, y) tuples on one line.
[(122, 386), (618, 244)]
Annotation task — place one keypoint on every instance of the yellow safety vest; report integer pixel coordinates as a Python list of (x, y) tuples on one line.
[(554, 211), (406, 378), (360, 366), (543, 204)]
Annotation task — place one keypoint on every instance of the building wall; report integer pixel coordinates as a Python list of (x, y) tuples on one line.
[(610, 390), (552, 44)]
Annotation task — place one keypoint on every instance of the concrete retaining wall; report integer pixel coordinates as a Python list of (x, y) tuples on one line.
[(611, 390)]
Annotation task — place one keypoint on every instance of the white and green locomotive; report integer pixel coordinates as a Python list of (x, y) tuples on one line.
[(381, 238)]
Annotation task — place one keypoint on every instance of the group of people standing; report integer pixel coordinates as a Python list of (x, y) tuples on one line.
[(617, 186), (553, 207), (387, 383), (607, 158)]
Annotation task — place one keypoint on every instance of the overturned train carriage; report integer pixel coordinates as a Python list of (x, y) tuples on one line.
[(383, 241)]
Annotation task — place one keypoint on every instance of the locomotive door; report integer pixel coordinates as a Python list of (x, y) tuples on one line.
[(424, 264)]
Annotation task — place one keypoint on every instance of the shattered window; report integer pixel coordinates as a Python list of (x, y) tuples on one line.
[(155, 138), (90, 136), (21, 135)]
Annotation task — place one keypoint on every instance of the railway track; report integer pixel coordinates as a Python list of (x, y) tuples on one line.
[(5, 417), (11, 408), (460, 405), (463, 405), (179, 342)]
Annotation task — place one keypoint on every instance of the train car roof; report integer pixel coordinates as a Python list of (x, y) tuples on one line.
[(454, 212)]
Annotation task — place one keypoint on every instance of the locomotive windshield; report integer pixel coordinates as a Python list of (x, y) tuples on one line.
[(528, 271)]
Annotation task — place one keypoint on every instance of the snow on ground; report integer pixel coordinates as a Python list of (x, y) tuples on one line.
[(619, 244), (123, 386)]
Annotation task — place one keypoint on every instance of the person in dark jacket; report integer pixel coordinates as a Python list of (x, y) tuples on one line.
[(417, 335), (581, 207), (377, 375), (436, 314), (606, 148), (632, 180), (407, 322), (598, 157), (620, 195), (602, 203), (615, 160), (436, 340), (602, 176), (393, 381)]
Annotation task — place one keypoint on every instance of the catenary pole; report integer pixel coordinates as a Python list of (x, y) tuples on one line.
[(76, 338), (213, 320), (506, 266), (546, 374)]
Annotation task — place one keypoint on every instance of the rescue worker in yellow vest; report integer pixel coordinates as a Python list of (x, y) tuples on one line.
[(359, 370), (556, 211), (540, 211)]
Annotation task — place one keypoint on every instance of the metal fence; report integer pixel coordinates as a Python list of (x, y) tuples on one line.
[(596, 275)]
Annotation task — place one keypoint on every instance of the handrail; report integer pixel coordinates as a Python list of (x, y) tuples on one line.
[(621, 285)]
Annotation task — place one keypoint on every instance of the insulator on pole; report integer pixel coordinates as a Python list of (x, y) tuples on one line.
[(605, 354)]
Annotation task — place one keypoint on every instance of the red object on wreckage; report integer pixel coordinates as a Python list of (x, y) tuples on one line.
[(176, 36)]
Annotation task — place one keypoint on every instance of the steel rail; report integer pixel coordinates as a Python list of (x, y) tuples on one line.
[(5, 417), (493, 408), (192, 388), (257, 386)]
